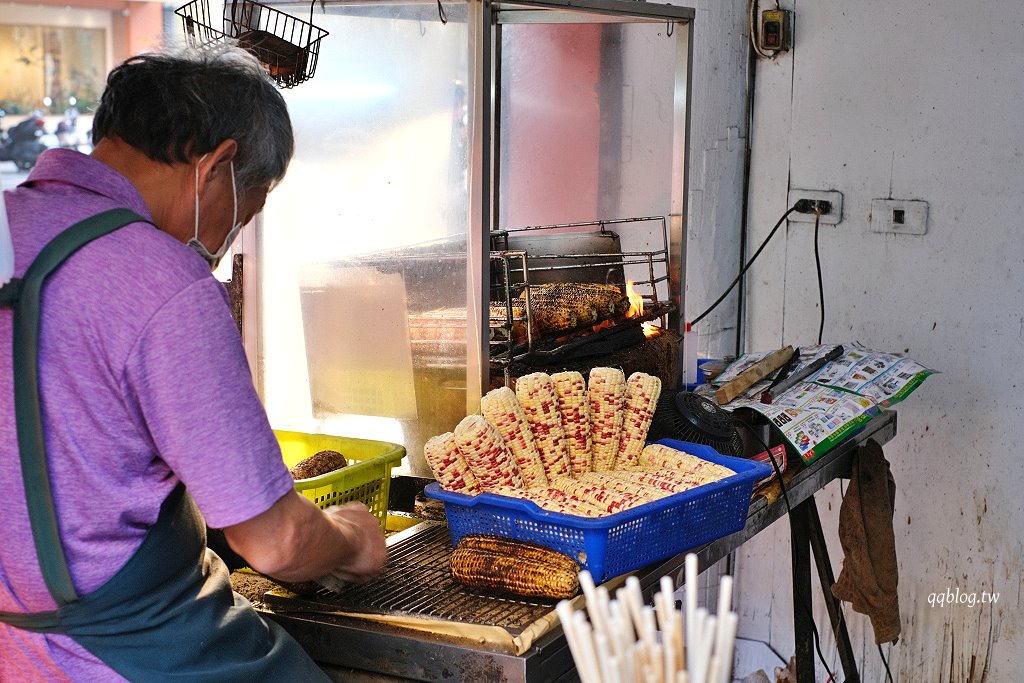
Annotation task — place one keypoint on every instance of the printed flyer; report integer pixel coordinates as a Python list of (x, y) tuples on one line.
[(829, 405)]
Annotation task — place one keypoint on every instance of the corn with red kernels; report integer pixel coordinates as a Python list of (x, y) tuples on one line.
[(485, 453), (606, 391), (669, 481), (571, 393), (503, 410), (642, 393), (536, 393), (610, 480), (449, 467), (552, 500), (663, 457), (606, 499)]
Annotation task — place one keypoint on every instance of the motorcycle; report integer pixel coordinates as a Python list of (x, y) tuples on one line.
[(21, 144)]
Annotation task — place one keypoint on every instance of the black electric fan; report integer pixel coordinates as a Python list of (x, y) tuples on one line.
[(686, 416)]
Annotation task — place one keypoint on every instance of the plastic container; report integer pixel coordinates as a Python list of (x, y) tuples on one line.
[(628, 540), (367, 478)]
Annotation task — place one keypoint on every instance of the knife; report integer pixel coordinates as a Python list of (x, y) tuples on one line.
[(801, 375)]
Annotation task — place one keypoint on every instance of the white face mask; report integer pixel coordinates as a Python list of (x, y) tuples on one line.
[(214, 258)]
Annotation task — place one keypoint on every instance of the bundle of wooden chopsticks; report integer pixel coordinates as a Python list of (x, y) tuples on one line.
[(625, 641)]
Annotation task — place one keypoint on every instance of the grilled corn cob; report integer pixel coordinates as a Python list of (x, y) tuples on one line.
[(504, 571), (548, 314), (485, 453), (663, 457), (603, 299), (449, 467), (606, 499), (536, 394), (503, 410), (642, 392), (606, 391), (523, 549), (571, 393)]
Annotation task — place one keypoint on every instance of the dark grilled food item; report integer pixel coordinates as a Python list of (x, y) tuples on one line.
[(318, 464), (516, 567)]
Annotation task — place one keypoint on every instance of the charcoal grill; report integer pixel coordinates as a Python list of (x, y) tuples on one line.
[(417, 583)]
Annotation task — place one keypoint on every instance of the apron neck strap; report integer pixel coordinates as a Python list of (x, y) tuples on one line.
[(28, 412)]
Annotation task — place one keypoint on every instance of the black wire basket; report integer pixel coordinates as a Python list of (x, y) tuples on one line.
[(287, 46)]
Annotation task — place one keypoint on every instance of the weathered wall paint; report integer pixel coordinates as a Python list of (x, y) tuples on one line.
[(913, 100)]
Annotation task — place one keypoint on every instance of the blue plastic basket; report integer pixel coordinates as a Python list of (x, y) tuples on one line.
[(627, 540)]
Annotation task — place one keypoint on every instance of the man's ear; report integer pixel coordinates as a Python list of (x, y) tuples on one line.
[(216, 162)]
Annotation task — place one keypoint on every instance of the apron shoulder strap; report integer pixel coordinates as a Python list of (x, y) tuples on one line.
[(28, 412)]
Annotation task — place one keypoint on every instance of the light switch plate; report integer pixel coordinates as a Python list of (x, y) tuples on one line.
[(899, 216)]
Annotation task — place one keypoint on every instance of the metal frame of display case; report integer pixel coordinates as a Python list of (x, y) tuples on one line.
[(493, 14)]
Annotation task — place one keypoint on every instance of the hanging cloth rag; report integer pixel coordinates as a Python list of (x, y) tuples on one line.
[(869, 576)]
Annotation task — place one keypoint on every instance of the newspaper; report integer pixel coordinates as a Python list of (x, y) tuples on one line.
[(835, 402)]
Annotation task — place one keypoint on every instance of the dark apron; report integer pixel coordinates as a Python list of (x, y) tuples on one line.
[(169, 613)]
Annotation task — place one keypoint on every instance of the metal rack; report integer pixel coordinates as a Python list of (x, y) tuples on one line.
[(511, 280)]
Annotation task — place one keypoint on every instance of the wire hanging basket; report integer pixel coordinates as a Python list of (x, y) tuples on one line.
[(287, 46)]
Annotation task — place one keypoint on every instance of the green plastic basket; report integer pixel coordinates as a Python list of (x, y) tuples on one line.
[(367, 478)]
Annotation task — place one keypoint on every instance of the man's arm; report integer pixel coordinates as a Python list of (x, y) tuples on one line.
[(296, 541)]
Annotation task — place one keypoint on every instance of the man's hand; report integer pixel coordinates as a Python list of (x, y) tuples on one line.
[(297, 541), (362, 530)]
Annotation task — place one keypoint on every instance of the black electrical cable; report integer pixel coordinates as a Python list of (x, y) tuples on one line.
[(821, 286), (789, 510), (744, 270), (885, 663)]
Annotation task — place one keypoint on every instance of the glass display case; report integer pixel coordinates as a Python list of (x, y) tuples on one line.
[(427, 128)]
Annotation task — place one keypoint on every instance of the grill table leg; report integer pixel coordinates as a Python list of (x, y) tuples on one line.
[(799, 528), (835, 610)]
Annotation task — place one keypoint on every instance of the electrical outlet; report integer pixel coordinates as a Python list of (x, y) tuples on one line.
[(899, 216), (834, 198)]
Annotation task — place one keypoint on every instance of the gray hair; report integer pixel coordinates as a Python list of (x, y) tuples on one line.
[(176, 105)]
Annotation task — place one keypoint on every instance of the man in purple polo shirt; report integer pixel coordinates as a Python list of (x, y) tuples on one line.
[(143, 381)]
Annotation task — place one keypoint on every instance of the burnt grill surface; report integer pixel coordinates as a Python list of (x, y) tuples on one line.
[(417, 582)]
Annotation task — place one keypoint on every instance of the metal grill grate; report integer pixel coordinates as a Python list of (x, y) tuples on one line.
[(417, 582)]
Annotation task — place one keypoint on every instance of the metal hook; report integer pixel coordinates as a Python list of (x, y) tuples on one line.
[(670, 28), (441, 13), (423, 29)]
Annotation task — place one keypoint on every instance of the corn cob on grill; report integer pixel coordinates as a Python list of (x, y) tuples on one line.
[(486, 454), (449, 466), (503, 410), (571, 393), (642, 392), (605, 300), (536, 394), (606, 390), (537, 573), (524, 549)]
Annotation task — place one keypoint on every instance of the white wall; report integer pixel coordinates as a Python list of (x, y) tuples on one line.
[(915, 100)]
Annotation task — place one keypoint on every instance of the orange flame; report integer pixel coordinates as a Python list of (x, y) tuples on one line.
[(636, 302), (651, 330)]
